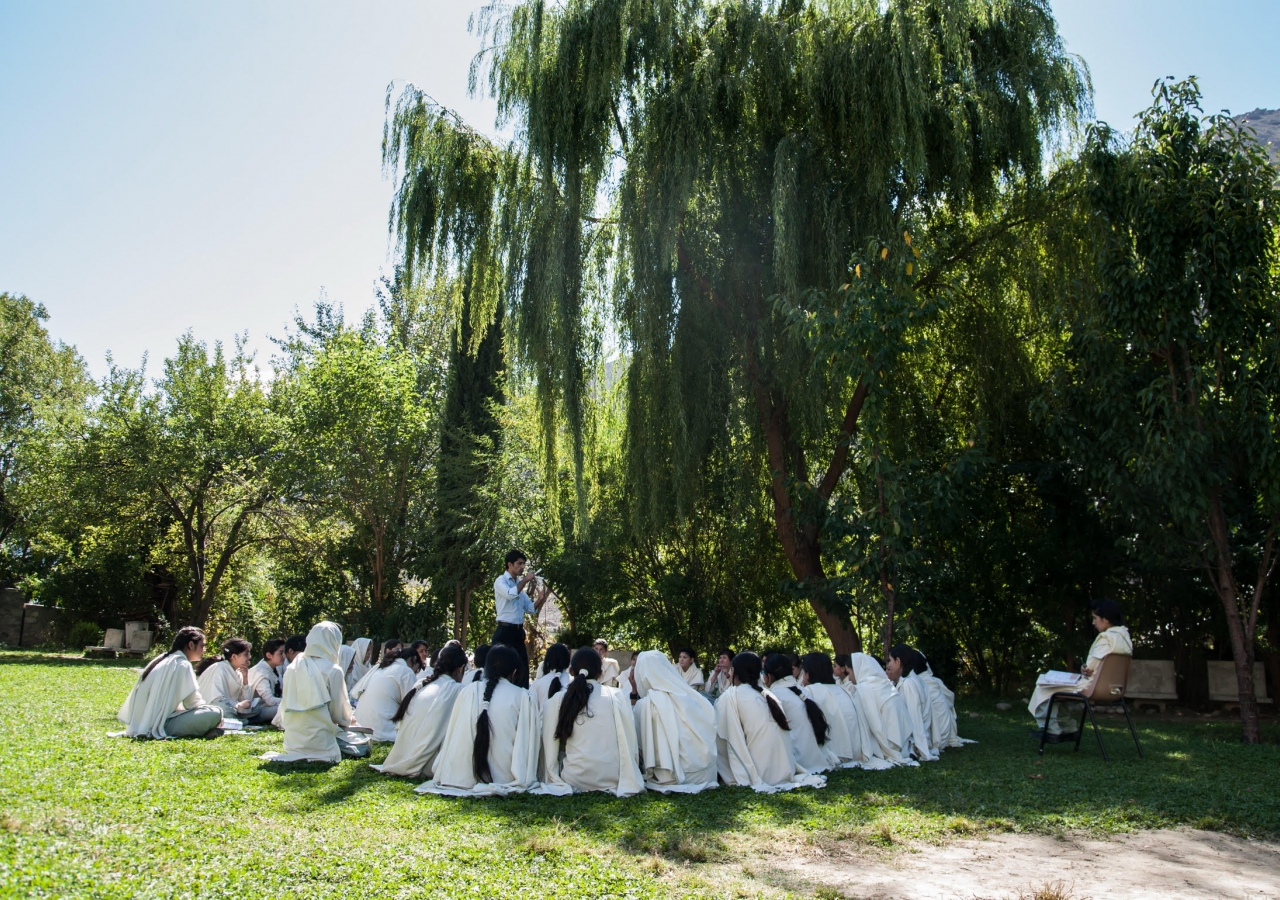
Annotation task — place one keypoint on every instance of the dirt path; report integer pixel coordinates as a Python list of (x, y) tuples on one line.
[(1151, 864)]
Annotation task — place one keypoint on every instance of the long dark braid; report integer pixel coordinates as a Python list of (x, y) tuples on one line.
[(746, 668), (500, 663), (557, 660), (586, 665)]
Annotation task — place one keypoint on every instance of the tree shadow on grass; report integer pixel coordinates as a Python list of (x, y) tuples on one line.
[(36, 658)]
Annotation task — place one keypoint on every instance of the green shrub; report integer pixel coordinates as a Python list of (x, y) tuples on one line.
[(84, 634)]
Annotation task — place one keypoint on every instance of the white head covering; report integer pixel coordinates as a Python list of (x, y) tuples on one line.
[(359, 647), (346, 655), (681, 714), (307, 684)]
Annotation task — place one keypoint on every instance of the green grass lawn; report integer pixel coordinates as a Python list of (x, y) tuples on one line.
[(84, 815)]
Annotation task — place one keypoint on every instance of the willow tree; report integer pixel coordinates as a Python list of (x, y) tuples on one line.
[(738, 152)]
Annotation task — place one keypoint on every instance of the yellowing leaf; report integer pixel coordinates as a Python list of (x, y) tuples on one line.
[(916, 252), (906, 237), (858, 270), (884, 252), (910, 268), (845, 288)]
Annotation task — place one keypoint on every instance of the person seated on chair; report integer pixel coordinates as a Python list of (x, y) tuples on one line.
[(1113, 637)]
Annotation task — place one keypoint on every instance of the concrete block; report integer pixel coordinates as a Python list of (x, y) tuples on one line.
[(1224, 688), (131, 630), (1152, 679), (114, 639)]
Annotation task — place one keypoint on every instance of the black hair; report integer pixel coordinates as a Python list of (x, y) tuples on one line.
[(557, 660), (780, 665), (500, 662), (390, 652), (725, 652), (479, 657), (818, 667), (1110, 610), (689, 650), (186, 636), (419, 643), (576, 695), (297, 643), (516, 556), (272, 645), (912, 660), (450, 659), (746, 668), (844, 660), (411, 658), (229, 649)]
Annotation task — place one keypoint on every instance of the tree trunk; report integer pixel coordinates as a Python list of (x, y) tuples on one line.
[(1241, 643)]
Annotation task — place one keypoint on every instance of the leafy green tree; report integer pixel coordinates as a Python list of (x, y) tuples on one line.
[(737, 151), (43, 387), (357, 452), (1171, 383)]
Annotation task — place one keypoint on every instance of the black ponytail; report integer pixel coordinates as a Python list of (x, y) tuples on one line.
[(586, 666), (186, 636), (554, 687), (449, 660), (556, 660), (746, 668), (501, 662), (816, 719)]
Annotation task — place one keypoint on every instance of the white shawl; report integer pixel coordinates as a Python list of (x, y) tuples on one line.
[(849, 738), (751, 749), (944, 731), (915, 697), (514, 745), (169, 687), (384, 688), (883, 709), (220, 685), (810, 755), (313, 706), (307, 684), (676, 728), (422, 730), (542, 686), (354, 667), (600, 755)]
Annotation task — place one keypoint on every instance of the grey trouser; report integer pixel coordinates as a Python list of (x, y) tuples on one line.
[(193, 722)]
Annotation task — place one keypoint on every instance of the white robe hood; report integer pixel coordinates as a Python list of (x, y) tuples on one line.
[(307, 684), (883, 709), (675, 726)]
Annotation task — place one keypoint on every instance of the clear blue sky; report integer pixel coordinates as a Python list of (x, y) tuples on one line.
[(214, 166)]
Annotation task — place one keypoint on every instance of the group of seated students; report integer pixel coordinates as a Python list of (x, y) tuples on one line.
[(773, 722)]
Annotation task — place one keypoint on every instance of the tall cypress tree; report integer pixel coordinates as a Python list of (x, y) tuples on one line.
[(470, 438)]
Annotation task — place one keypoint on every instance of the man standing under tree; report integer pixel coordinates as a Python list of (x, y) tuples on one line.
[(513, 604)]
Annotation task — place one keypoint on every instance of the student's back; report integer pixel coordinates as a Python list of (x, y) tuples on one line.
[(382, 694)]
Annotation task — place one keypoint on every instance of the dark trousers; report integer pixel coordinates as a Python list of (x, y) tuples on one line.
[(513, 637)]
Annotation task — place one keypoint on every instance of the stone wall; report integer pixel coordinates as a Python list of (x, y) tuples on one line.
[(11, 601), (37, 623)]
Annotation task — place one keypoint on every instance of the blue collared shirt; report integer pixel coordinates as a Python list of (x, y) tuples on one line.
[(512, 605)]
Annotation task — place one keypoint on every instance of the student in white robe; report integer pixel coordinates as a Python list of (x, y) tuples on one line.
[(424, 658), (944, 729), (479, 658), (721, 677), (752, 746), (900, 668), (609, 668), (849, 738), (384, 688), (356, 661), (264, 679), (884, 710), (165, 702), (314, 709), (555, 675), (293, 646), (687, 662), (224, 682), (625, 679), (809, 728), (1113, 637), (842, 670), (589, 736), (675, 728), (493, 743), (423, 717)]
